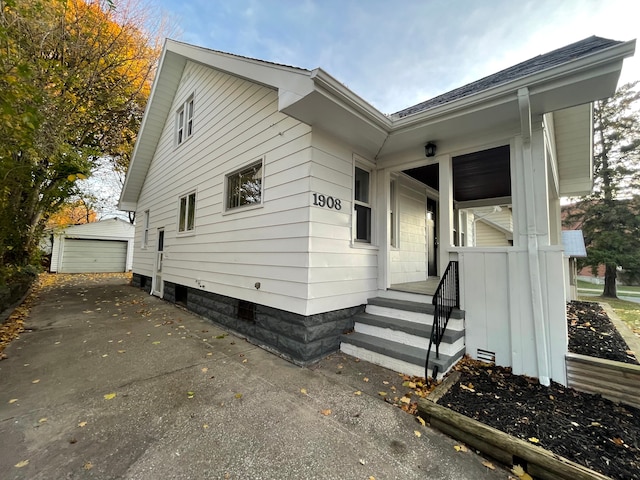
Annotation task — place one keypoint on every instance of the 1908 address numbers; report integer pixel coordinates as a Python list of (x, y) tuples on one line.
[(320, 200)]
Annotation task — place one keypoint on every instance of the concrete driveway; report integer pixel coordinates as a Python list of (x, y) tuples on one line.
[(112, 383)]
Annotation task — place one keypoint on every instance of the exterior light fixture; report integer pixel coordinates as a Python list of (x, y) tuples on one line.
[(430, 150)]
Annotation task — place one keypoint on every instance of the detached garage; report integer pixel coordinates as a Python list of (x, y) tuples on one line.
[(99, 247)]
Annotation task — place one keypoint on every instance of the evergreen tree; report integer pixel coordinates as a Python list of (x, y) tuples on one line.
[(610, 216)]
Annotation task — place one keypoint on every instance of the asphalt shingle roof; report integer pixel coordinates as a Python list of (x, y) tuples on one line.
[(554, 58)]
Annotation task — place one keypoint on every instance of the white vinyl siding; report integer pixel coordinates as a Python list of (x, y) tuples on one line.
[(237, 123), (340, 275), (409, 259), (487, 235)]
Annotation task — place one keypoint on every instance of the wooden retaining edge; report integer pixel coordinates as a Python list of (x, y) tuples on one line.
[(540, 463), (617, 381)]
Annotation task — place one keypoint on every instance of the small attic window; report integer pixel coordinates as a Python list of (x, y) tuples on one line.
[(184, 121)]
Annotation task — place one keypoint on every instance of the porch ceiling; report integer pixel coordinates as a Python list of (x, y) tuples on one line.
[(476, 176)]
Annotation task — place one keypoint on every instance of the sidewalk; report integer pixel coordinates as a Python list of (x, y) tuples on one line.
[(192, 402)]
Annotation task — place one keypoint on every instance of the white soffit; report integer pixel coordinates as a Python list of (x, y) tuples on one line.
[(573, 138)]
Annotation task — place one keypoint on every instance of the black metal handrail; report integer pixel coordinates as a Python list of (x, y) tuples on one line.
[(446, 298)]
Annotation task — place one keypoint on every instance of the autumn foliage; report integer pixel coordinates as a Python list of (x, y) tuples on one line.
[(75, 78)]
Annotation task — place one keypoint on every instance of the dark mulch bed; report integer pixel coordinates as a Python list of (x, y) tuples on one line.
[(592, 333), (584, 428)]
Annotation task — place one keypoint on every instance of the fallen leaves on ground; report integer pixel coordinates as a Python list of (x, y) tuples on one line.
[(519, 471), (489, 465), (326, 412), (109, 396), (82, 424), (21, 464), (238, 396), (303, 391), (417, 433), (460, 448)]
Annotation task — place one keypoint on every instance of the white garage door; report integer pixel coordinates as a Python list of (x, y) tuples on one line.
[(93, 256)]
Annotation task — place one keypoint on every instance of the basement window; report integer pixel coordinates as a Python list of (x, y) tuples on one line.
[(181, 295), (246, 311)]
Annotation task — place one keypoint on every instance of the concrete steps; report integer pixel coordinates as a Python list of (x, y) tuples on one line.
[(394, 333)]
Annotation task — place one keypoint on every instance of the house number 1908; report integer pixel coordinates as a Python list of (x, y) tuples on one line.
[(320, 200)]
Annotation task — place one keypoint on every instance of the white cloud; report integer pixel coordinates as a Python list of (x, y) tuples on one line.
[(395, 54)]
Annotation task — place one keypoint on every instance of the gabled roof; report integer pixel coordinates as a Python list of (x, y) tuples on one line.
[(574, 75), (537, 64)]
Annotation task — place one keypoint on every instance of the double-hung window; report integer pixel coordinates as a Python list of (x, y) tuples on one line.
[(184, 121), (187, 213), (362, 205), (244, 187)]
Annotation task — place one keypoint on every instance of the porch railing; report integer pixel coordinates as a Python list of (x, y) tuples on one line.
[(446, 298)]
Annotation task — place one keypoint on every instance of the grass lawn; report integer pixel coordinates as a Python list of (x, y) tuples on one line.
[(629, 312), (622, 289)]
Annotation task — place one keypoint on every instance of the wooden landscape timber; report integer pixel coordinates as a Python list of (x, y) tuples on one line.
[(537, 461)]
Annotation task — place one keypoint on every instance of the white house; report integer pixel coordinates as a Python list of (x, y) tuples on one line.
[(278, 203), (98, 247)]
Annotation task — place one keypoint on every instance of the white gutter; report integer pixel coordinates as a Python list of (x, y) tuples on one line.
[(535, 282)]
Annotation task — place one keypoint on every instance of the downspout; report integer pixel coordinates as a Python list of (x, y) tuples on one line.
[(535, 283)]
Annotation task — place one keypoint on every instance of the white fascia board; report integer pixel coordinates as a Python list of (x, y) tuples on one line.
[(280, 77), (150, 130), (537, 83), (348, 98), (127, 206)]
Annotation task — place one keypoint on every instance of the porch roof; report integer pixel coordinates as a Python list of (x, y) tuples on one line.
[(537, 64)]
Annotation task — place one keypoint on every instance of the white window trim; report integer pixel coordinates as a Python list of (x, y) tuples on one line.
[(243, 208), (186, 120), (145, 232), (186, 232), (370, 167), (394, 202)]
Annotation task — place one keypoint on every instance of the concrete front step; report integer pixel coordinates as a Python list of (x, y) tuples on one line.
[(408, 296), (417, 312), (396, 356), (407, 333)]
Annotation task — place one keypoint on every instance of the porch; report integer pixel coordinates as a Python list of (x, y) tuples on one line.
[(422, 287), (410, 323)]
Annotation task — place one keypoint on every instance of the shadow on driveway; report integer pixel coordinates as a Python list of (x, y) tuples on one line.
[(109, 382)]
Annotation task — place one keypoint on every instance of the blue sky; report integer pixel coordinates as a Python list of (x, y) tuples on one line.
[(397, 53)]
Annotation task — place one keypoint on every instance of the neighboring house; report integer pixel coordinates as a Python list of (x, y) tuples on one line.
[(277, 202), (574, 248), (98, 247), (487, 226)]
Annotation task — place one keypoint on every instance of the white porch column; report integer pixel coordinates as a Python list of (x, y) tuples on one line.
[(383, 179), (445, 210), (533, 226)]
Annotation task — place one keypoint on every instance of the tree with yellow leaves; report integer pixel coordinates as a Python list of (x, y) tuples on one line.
[(75, 76)]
